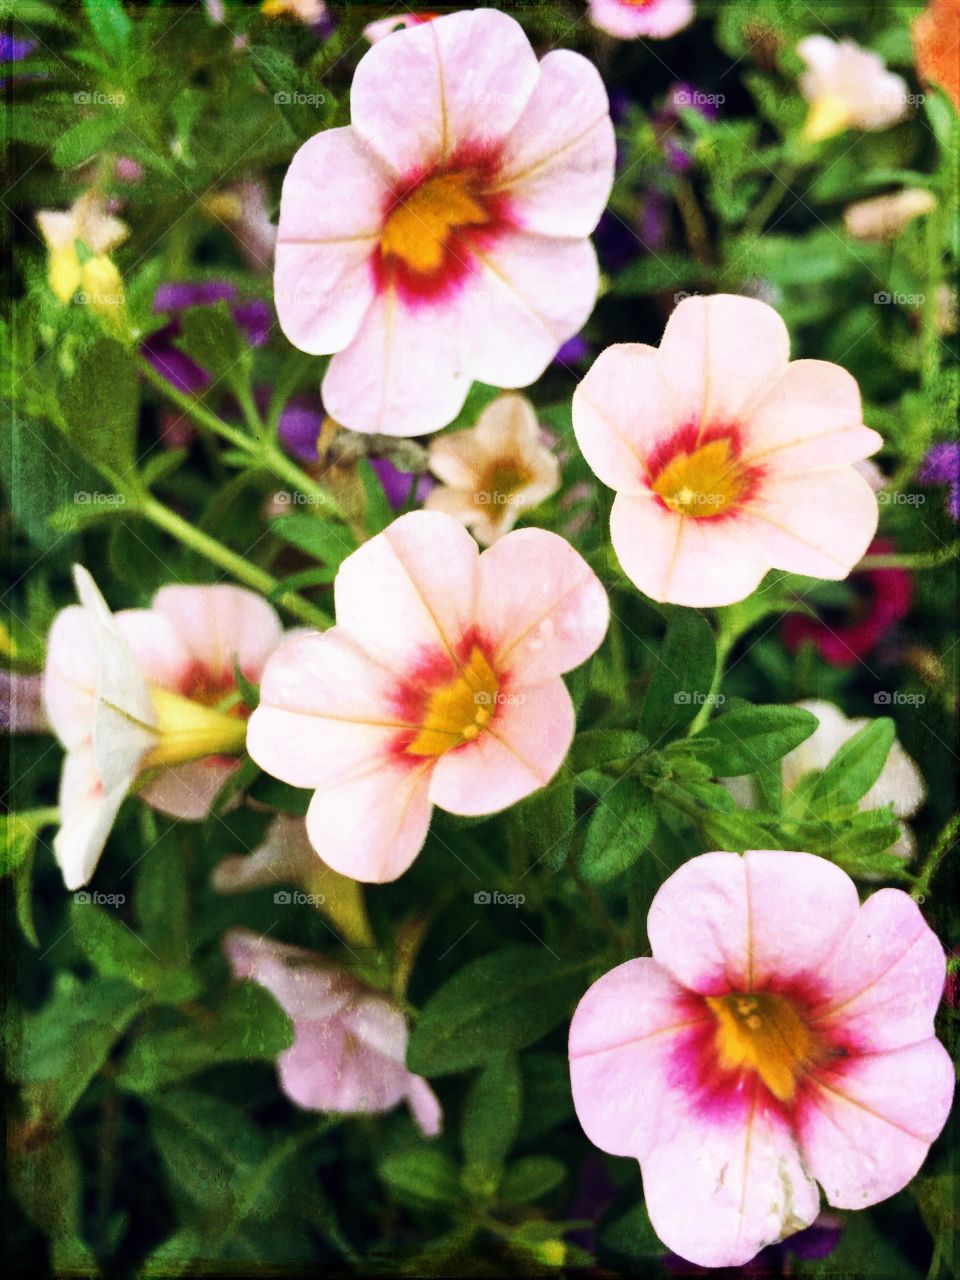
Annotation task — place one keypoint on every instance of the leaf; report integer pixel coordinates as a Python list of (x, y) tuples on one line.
[(42, 473), (109, 24), (548, 1100), (67, 1041), (737, 832), (324, 540), (542, 826), (596, 747), (210, 337), (425, 1176), (620, 830), (856, 765), (101, 402), (496, 1004), (249, 1026), (378, 512), (304, 106), (48, 1184), (633, 1235), (88, 137), (115, 951), (751, 736), (682, 678), (491, 1115), (531, 1177)]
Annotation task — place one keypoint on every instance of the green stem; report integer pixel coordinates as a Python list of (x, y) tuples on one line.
[(919, 560), (694, 223), (930, 863), (264, 452), (727, 636), (769, 201), (249, 574)]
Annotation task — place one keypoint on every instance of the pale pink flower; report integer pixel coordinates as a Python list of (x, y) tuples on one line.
[(442, 236), (495, 470), (350, 1045), (884, 217), (439, 685), (148, 696), (630, 19), (781, 1036), (728, 459), (848, 87)]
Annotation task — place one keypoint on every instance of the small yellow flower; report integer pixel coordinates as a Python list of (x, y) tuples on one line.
[(494, 470), (79, 242)]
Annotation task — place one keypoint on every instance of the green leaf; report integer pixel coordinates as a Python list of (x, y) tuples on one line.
[(303, 104), (424, 1176), (542, 826), (43, 474), (101, 402), (491, 1115), (88, 137), (620, 830), (116, 951), (109, 24), (737, 832), (496, 1004), (633, 1235), (249, 1026), (856, 765), (597, 747), (531, 1177), (748, 737), (67, 1041), (378, 512), (682, 678), (48, 1184), (210, 337), (325, 540)]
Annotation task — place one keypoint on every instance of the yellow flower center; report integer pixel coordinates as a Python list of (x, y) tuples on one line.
[(763, 1033), (188, 730), (458, 711), (705, 482), (420, 227), (500, 482)]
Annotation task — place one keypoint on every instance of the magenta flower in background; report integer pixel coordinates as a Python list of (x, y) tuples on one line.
[(254, 317), (883, 598), (941, 466)]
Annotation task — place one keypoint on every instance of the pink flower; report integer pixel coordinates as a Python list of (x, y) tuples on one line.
[(375, 31), (148, 696), (727, 459), (442, 236), (628, 19), (848, 87), (350, 1044), (781, 1036), (439, 685)]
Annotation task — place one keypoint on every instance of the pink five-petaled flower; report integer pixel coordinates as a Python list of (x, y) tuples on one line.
[(630, 19), (727, 459), (439, 685), (350, 1043), (442, 236), (781, 1035), (148, 696)]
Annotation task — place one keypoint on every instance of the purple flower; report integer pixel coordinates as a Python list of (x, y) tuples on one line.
[(941, 466), (14, 50), (299, 429), (669, 127), (255, 318), (397, 484)]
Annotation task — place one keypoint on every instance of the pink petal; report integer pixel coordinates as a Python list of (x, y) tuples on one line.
[(459, 80), (371, 823), (621, 410), (558, 161), (323, 693), (220, 624), (159, 649), (402, 375), (659, 19), (867, 1126), (304, 989), (540, 604), (70, 677), (87, 816), (729, 922), (718, 1192), (810, 420), (410, 591), (331, 213), (520, 751), (721, 356), (886, 980), (189, 790), (424, 1106), (623, 1033), (816, 523), (324, 1071), (682, 560), (532, 294)]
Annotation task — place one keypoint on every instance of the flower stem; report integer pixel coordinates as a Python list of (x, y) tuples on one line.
[(942, 846), (249, 574), (265, 452), (919, 560)]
